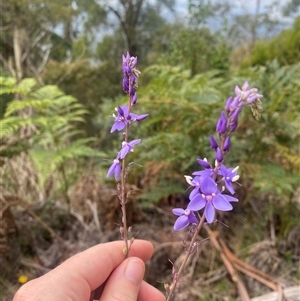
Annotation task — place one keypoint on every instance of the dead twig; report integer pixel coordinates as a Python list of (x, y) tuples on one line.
[(229, 266)]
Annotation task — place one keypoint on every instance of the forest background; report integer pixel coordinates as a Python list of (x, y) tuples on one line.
[(60, 82)]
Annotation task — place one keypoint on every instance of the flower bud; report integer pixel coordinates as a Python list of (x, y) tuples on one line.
[(213, 143), (228, 103), (125, 84), (222, 124), (203, 163), (134, 99), (227, 144), (219, 155), (245, 86)]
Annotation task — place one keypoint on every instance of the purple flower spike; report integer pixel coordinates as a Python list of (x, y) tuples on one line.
[(185, 218), (127, 147), (115, 169), (211, 198)]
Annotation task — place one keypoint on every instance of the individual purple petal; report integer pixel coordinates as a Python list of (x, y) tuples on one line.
[(193, 193), (220, 203), (115, 169), (209, 212), (141, 117), (208, 186), (181, 223), (197, 203), (134, 61), (253, 98), (118, 125), (120, 111), (111, 170), (193, 218), (203, 173), (230, 198), (118, 172), (124, 151), (245, 86), (178, 211), (134, 142), (237, 90), (229, 185)]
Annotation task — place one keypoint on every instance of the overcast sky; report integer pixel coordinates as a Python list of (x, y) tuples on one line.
[(240, 6)]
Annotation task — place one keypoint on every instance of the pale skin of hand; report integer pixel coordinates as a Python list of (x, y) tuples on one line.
[(77, 277)]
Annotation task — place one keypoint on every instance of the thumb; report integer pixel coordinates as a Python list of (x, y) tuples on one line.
[(124, 282)]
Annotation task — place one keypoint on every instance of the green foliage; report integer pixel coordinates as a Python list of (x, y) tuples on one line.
[(89, 84), (197, 50), (184, 111), (44, 122), (284, 47)]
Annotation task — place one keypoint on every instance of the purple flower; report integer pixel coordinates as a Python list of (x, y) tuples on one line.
[(185, 218), (211, 198), (194, 182), (127, 147), (229, 176), (122, 118), (115, 169)]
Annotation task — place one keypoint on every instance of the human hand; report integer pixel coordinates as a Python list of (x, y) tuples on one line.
[(77, 277)]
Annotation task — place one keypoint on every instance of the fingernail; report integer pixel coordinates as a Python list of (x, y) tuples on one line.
[(135, 271)]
